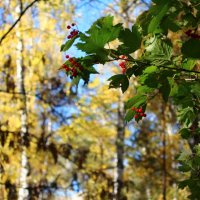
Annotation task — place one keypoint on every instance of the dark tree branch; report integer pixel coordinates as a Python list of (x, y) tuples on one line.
[(161, 66), (16, 22)]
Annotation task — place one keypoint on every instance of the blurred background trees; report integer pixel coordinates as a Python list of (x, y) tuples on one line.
[(60, 142)]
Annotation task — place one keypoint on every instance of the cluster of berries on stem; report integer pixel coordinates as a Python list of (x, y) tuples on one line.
[(122, 64), (73, 68), (73, 33), (189, 33), (139, 112)]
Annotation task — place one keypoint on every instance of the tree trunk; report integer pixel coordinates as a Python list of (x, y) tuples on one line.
[(23, 191), (148, 192), (120, 149), (164, 166)]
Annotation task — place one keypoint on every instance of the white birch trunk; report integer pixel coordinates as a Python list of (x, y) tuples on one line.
[(23, 191)]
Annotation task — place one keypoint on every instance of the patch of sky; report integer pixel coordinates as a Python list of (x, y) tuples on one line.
[(141, 9), (34, 13), (1, 16), (70, 194), (9, 19)]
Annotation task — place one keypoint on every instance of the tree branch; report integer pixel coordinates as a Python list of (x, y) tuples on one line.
[(161, 66), (16, 22)]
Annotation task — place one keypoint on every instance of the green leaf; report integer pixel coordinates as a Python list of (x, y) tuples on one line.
[(189, 20), (68, 44), (144, 89), (168, 23), (195, 89), (187, 116), (174, 88), (184, 156), (151, 80), (185, 133), (191, 48), (197, 149), (130, 71), (143, 20), (100, 33), (131, 40), (150, 70), (136, 101), (92, 70), (196, 161), (183, 95), (150, 77), (76, 80), (189, 64), (89, 60), (158, 2), (119, 80), (137, 70), (184, 168), (158, 51), (183, 184), (129, 115), (157, 17)]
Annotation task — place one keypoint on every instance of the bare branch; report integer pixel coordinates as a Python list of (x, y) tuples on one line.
[(16, 22)]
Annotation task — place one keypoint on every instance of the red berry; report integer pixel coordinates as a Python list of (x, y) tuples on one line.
[(136, 116), (188, 32), (64, 65), (67, 56), (76, 64), (123, 70), (122, 65), (74, 73), (144, 115), (68, 27), (71, 60), (122, 56), (76, 33), (67, 69), (69, 36), (140, 110), (80, 68), (133, 108)]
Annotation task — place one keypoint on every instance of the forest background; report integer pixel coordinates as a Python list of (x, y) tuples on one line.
[(60, 141)]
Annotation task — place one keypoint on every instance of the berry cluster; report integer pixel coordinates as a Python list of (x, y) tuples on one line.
[(123, 64), (139, 112), (74, 67), (192, 35), (73, 33)]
